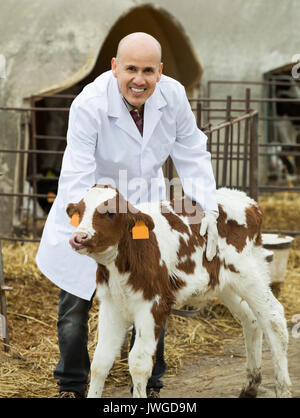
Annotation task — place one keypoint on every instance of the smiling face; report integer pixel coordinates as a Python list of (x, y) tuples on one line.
[(137, 68)]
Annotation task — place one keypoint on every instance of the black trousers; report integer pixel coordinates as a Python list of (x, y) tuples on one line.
[(73, 367)]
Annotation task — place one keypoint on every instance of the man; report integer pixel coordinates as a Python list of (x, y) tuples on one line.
[(122, 128)]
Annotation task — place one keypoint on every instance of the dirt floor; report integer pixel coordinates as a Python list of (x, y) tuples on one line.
[(222, 376)]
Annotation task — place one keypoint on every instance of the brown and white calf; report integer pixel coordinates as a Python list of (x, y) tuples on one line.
[(139, 280)]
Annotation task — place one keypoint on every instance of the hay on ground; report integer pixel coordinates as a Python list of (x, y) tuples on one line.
[(27, 370)]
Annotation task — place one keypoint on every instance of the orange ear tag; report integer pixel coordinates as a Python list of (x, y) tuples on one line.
[(140, 231), (75, 219)]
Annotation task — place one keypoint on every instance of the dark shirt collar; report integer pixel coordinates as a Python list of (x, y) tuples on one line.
[(130, 107)]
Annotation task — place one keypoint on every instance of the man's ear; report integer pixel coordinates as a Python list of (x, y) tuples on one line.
[(114, 66), (71, 209), (160, 69)]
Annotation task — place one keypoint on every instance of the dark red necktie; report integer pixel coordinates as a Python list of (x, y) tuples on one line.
[(138, 119)]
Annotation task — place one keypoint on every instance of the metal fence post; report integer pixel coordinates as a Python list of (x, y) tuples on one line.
[(3, 316), (254, 158), (199, 115), (34, 166), (226, 141), (246, 134)]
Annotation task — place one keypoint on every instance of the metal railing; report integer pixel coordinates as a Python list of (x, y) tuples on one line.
[(268, 145), (232, 143)]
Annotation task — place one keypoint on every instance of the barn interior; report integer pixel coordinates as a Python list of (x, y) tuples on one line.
[(283, 122)]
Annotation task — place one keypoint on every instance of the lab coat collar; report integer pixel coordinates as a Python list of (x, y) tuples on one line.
[(152, 112)]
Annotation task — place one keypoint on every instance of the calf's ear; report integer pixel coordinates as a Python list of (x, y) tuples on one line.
[(71, 209), (148, 221), (133, 218)]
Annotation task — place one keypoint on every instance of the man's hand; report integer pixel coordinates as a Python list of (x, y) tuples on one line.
[(209, 225)]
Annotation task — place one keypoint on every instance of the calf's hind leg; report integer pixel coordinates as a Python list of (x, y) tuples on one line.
[(270, 315), (253, 340)]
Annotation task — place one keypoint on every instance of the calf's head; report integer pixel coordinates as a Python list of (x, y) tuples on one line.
[(104, 218)]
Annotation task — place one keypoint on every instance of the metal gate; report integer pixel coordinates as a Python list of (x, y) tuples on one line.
[(232, 143), (270, 144)]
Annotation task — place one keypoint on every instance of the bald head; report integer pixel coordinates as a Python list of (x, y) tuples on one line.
[(137, 67), (140, 41)]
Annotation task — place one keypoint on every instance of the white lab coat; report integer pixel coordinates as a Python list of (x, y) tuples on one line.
[(102, 142)]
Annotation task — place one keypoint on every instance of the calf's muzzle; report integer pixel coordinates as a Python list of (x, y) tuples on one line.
[(78, 239)]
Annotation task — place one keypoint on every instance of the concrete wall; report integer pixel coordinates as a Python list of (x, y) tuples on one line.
[(53, 43), (237, 39), (47, 42)]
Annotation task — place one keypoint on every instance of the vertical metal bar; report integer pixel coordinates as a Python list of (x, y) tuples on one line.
[(246, 132), (21, 165), (34, 166), (254, 158), (209, 142), (204, 106), (238, 154), (231, 156), (208, 102), (225, 155), (199, 116), (248, 98), (3, 306), (218, 158), (266, 125), (245, 156)]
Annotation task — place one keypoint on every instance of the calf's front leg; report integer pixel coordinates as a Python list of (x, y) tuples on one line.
[(141, 356), (111, 332)]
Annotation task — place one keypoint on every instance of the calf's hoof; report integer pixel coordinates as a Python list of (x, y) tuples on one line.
[(249, 392)]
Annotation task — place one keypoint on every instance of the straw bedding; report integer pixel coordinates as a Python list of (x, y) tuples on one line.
[(27, 369)]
